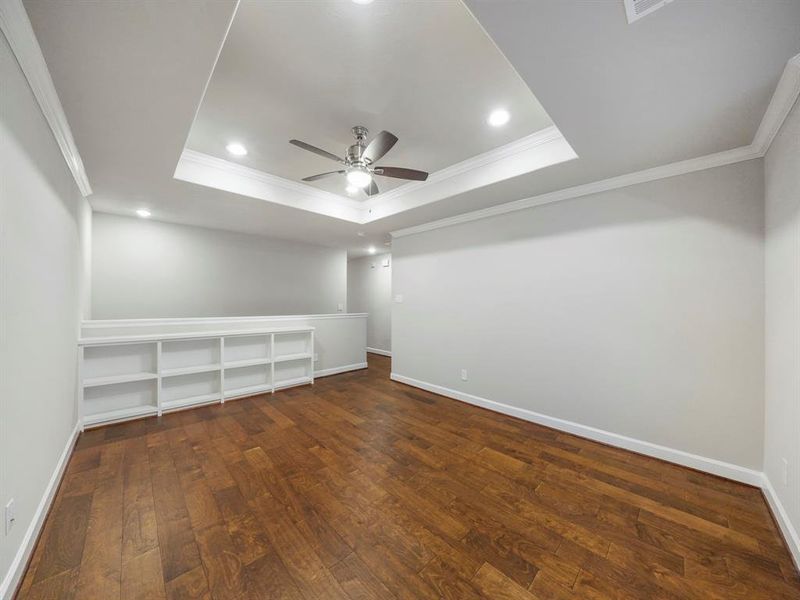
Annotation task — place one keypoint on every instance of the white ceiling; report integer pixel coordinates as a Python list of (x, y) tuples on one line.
[(425, 71), (690, 79)]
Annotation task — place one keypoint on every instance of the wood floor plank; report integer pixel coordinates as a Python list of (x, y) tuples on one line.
[(101, 565), (142, 577), (362, 488), (63, 547), (494, 584)]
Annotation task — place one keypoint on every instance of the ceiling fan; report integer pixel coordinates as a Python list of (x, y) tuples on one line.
[(359, 162)]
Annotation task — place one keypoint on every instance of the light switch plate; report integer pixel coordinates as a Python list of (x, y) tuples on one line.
[(10, 516), (398, 298)]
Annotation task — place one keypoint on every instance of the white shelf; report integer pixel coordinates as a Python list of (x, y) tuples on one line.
[(132, 339), (249, 390), (288, 357), (112, 379), (291, 382), (123, 414), (191, 401), (189, 370), (189, 373), (250, 362)]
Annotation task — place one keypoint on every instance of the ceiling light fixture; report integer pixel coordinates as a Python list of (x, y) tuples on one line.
[(371, 249), (236, 149), (143, 212), (351, 189), (359, 177), (498, 117)]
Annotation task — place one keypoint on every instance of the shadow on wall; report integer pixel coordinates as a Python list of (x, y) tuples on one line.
[(685, 197)]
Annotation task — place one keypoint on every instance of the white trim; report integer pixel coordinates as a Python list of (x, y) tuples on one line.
[(790, 534), (210, 171), (686, 459), (543, 136), (212, 162), (16, 26), (786, 94), (103, 340), (104, 323), (379, 351), (20, 562), (530, 153), (709, 161), (336, 370), (783, 99)]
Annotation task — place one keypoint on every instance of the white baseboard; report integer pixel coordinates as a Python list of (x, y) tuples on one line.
[(686, 459), (337, 370), (379, 351), (15, 571), (787, 529)]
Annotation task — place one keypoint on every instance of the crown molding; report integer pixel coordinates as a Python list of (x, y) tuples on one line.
[(543, 149), (671, 170), (16, 27), (535, 151), (784, 98), (543, 136), (210, 171)]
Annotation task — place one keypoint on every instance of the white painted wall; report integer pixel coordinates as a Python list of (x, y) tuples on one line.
[(782, 398), (637, 311), (40, 306), (145, 268), (369, 290)]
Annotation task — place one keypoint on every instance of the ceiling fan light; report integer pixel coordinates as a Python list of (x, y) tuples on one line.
[(359, 178)]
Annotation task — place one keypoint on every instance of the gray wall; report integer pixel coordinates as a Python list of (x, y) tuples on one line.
[(41, 213), (144, 268), (637, 311), (369, 290), (782, 422)]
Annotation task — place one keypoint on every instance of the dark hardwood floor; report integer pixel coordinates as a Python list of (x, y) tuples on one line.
[(362, 488)]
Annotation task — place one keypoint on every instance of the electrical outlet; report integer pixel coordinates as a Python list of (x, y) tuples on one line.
[(11, 515), (463, 374), (785, 471)]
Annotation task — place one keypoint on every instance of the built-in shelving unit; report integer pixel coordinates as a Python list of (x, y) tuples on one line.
[(128, 377)]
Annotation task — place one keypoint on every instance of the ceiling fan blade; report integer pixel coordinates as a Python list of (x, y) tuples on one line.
[(321, 175), (315, 150), (401, 173), (379, 146), (372, 189)]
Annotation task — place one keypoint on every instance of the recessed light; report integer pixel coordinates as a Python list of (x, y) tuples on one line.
[(236, 149), (362, 1), (143, 212), (371, 249), (498, 117), (361, 234), (351, 189)]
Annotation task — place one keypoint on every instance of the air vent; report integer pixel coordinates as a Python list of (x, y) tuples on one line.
[(636, 9)]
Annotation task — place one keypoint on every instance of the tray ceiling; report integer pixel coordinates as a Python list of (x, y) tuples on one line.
[(311, 71)]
